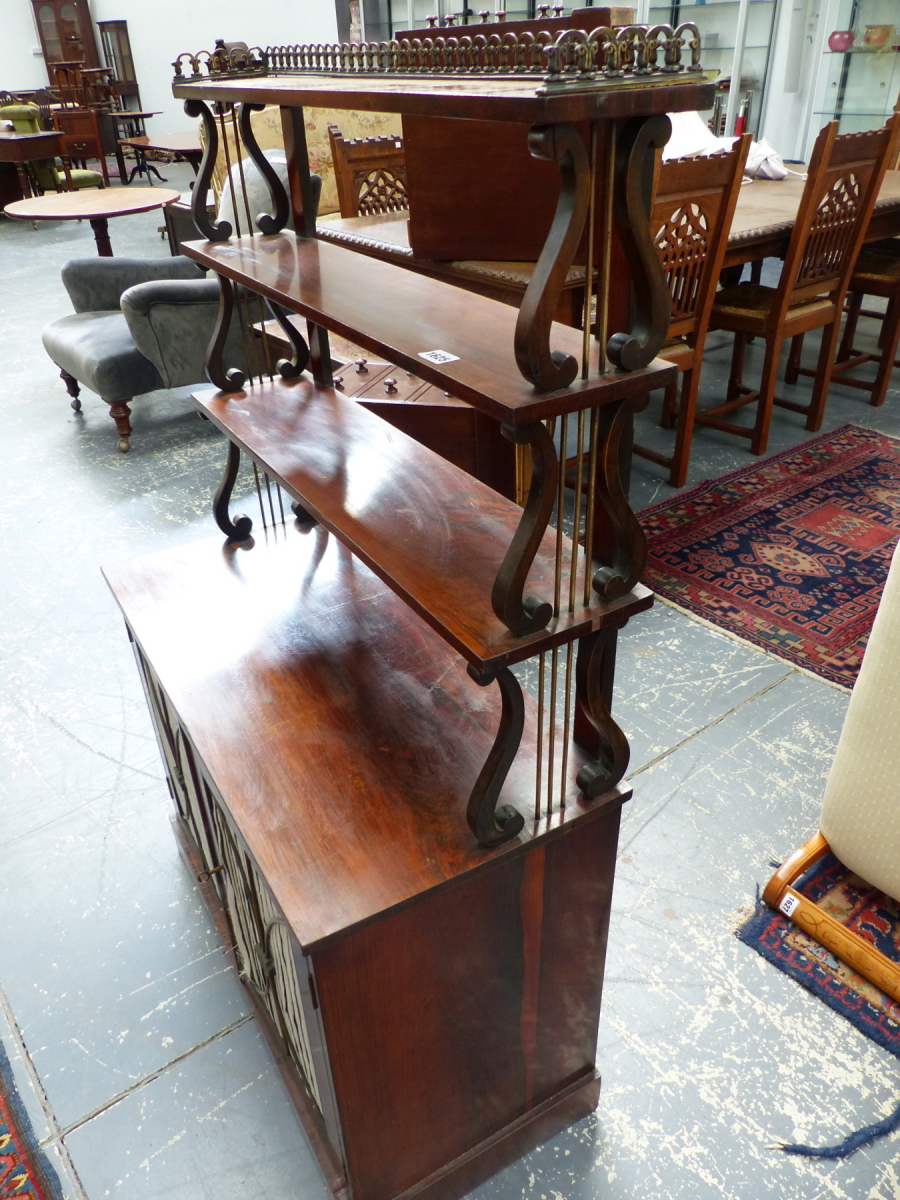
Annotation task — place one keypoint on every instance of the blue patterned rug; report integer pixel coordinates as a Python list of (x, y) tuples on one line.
[(25, 1173), (861, 908), (791, 552)]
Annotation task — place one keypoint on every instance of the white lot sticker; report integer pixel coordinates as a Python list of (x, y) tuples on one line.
[(788, 904), (438, 356)]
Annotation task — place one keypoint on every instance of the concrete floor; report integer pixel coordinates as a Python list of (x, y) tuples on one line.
[(133, 1048)]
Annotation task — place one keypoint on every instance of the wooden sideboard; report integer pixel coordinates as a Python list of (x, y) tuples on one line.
[(412, 860)]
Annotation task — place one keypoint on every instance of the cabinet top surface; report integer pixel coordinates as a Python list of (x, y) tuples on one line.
[(343, 735)]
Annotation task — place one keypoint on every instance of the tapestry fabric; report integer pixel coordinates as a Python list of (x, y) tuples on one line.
[(25, 1173), (790, 553), (862, 908)]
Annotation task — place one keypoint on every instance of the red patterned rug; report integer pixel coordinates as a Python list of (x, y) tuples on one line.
[(24, 1170), (790, 553)]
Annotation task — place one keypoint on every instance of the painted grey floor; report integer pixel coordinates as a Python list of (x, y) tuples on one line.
[(145, 1076)]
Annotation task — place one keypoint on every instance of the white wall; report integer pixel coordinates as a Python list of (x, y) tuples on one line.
[(20, 67), (800, 29), (160, 30)]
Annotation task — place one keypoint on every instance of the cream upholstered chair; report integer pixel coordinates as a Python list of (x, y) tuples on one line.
[(860, 822)]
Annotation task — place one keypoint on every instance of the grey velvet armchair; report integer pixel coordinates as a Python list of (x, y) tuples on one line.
[(139, 325)]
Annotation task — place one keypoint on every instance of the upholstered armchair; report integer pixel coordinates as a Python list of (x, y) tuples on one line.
[(140, 325), (25, 118)]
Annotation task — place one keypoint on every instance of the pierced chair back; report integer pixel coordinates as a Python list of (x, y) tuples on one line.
[(370, 174), (693, 207)]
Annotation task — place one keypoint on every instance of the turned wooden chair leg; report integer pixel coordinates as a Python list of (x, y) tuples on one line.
[(120, 413), (792, 369), (823, 376), (765, 400), (685, 427), (669, 407), (853, 306), (736, 377), (890, 336), (72, 388)]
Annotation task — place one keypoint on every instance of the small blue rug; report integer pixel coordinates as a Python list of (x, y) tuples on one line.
[(25, 1173)]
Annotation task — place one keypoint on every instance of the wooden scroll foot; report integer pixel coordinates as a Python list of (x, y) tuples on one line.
[(73, 388), (200, 191), (237, 530), (527, 615), (276, 221), (594, 729), (302, 515), (625, 553), (490, 824), (231, 380), (121, 414), (632, 190), (551, 369), (293, 367)]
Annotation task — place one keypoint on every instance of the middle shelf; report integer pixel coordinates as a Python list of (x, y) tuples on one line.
[(431, 532)]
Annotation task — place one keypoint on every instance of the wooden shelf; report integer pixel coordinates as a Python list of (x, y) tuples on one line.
[(342, 734), (431, 532), (334, 287)]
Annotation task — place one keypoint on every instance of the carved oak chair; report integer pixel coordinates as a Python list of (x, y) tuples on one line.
[(693, 207), (860, 820), (370, 174), (844, 176)]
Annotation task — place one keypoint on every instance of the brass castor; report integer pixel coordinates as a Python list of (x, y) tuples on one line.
[(124, 445), (76, 406)]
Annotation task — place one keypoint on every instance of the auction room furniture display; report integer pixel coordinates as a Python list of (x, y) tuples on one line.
[(66, 32), (97, 207), (414, 863), (843, 180), (859, 820)]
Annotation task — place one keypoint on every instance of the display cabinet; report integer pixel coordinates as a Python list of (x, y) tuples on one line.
[(117, 52), (859, 77), (730, 40), (66, 32)]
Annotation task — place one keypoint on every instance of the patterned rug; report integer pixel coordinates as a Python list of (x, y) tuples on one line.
[(790, 553), (25, 1172), (861, 908)]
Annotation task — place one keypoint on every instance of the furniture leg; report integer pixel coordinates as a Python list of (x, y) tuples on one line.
[(684, 429), (792, 369), (24, 181), (823, 375), (766, 396), (100, 226), (123, 169), (890, 335), (853, 306), (735, 378), (490, 824), (120, 413), (72, 388), (669, 414)]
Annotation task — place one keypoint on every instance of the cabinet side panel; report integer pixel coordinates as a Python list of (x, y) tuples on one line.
[(422, 1014), (578, 882)]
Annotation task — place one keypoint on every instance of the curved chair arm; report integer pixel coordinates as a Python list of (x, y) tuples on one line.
[(172, 323), (97, 284)]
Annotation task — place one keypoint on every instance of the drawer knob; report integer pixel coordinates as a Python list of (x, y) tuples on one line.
[(390, 387), (361, 366)]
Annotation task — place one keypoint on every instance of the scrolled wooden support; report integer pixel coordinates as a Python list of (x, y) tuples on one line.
[(200, 193), (492, 825), (594, 729), (523, 615), (551, 369), (290, 368), (268, 223), (237, 530), (234, 379), (652, 304), (626, 548)]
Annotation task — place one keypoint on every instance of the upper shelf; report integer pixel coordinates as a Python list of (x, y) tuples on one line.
[(390, 310), (432, 533)]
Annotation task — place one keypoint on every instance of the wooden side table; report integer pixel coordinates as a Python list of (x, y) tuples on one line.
[(94, 206), (20, 148)]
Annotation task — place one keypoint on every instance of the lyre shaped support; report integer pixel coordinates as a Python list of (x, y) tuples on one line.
[(200, 193), (492, 825), (234, 379), (237, 530), (594, 729), (290, 368), (632, 189), (551, 369), (268, 223), (527, 615), (626, 547)]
